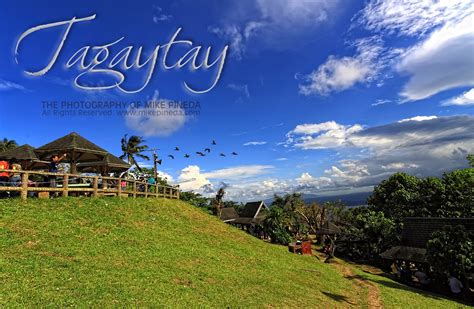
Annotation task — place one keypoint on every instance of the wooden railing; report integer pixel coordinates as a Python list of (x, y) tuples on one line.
[(34, 183)]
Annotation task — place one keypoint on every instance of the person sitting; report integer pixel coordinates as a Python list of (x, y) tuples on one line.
[(15, 178), (456, 286), (422, 278)]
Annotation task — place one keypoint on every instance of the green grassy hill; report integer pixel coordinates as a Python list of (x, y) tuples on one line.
[(142, 252)]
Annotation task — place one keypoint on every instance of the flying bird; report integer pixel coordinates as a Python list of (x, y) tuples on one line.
[(234, 153), (200, 153), (171, 156), (214, 142), (186, 156), (176, 148), (222, 155), (207, 149)]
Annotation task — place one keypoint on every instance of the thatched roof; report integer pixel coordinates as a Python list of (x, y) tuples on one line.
[(328, 228), (411, 254), (417, 231), (69, 143), (21, 153), (110, 162), (228, 214), (252, 209), (248, 221)]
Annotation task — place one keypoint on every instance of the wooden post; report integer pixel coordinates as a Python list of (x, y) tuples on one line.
[(24, 186), (65, 185), (146, 189), (177, 192), (156, 189), (134, 188), (119, 189), (95, 186)]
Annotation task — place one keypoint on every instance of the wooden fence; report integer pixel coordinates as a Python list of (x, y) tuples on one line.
[(36, 183)]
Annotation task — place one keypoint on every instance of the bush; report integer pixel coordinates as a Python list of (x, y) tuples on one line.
[(451, 250), (274, 225)]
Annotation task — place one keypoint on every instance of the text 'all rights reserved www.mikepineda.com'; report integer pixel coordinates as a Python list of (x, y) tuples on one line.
[(98, 108)]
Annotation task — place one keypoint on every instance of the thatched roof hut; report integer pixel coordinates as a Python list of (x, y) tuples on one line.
[(228, 214), (77, 147), (24, 154), (416, 233), (110, 164)]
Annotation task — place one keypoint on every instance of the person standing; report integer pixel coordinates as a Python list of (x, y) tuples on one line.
[(53, 168)]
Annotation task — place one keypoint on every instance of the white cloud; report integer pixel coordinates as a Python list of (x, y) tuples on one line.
[(467, 98), (192, 178), (232, 34), (282, 159), (441, 62), (156, 120), (338, 74), (412, 17), (321, 135), (159, 16), (271, 24), (418, 118), (399, 166), (255, 143), (381, 102), (7, 85)]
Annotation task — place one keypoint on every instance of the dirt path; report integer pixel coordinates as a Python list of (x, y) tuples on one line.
[(359, 284)]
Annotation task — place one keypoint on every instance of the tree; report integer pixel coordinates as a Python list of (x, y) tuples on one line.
[(397, 197), (195, 199), (459, 193), (147, 173), (451, 250), (7, 144), (470, 159), (133, 147), (275, 226)]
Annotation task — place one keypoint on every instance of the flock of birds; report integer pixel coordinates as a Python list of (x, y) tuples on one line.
[(199, 153)]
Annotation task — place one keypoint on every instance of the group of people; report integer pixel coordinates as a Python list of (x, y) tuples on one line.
[(416, 274), (10, 179)]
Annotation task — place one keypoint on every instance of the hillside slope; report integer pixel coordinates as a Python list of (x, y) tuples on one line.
[(142, 252)]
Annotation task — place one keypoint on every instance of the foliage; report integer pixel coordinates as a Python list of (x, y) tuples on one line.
[(403, 195), (451, 250), (147, 173), (7, 144), (195, 199), (470, 159), (275, 225), (369, 234), (133, 147)]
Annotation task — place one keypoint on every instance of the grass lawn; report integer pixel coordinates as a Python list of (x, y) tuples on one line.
[(144, 252)]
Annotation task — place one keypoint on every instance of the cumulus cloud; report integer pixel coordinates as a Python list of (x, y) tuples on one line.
[(321, 135), (442, 61), (466, 98), (340, 73), (161, 118), (192, 178), (422, 146), (255, 143)]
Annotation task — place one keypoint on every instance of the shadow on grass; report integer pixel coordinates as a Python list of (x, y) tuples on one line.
[(396, 285), (338, 297)]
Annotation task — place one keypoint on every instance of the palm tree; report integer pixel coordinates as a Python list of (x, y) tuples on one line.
[(133, 147), (6, 144)]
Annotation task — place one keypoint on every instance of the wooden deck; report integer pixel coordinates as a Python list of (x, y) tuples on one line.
[(34, 182)]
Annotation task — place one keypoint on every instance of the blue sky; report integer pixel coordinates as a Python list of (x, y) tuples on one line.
[(317, 96)]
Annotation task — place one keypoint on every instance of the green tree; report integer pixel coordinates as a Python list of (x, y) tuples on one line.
[(470, 159), (147, 173), (195, 199), (451, 250), (397, 197), (133, 147), (275, 225), (7, 144), (459, 193)]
